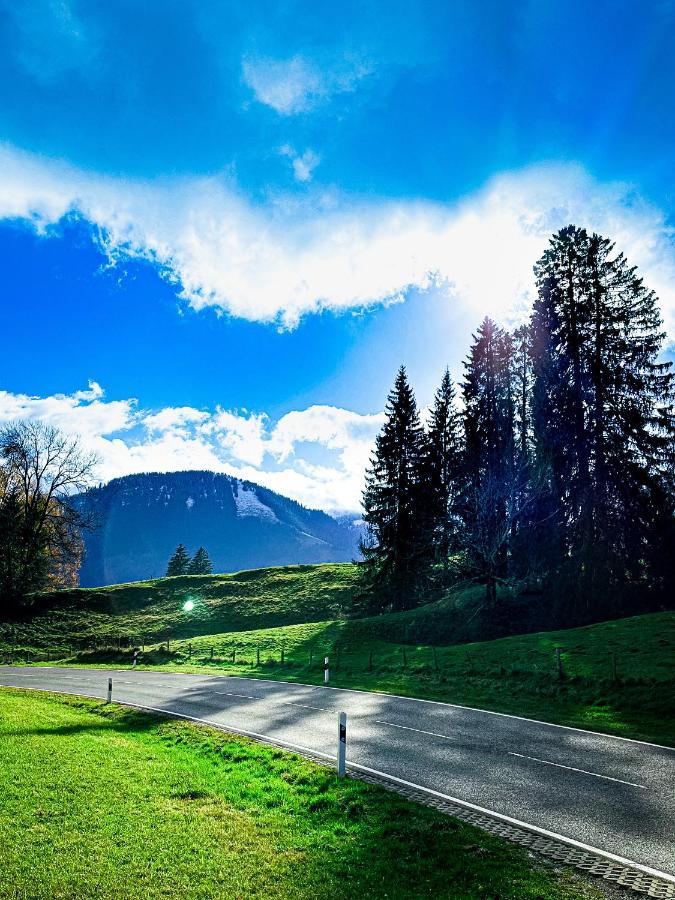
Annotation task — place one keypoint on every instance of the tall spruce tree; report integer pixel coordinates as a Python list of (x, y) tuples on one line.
[(442, 472), (179, 564), (603, 417), (489, 463), (394, 552), (522, 394), (200, 563), (530, 507)]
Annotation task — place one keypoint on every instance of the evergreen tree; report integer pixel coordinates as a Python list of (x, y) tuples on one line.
[(529, 501), (489, 462), (522, 394), (603, 419), (392, 500), (200, 563), (442, 471), (179, 563)]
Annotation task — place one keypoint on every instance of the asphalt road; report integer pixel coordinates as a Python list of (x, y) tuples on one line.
[(612, 794)]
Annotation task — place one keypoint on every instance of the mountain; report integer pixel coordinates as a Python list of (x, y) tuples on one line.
[(140, 519)]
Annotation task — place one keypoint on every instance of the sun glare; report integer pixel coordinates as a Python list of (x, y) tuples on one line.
[(189, 605)]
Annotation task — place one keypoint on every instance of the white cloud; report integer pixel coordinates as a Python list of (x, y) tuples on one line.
[(247, 445), (174, 418), (83, 412), (241, 434), (297, 85), (290, 257), (303, 164)]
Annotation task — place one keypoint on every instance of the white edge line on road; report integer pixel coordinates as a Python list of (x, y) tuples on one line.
[(327, 687), (622, 860), (547, 762)]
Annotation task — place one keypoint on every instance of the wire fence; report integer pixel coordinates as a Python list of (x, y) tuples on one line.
[(554, 664)]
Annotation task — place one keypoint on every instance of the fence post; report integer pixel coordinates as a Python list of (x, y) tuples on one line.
[(133, 665), (234, 655), (342, 744), (109, 690), (559, 663), (189, 651), (326, 671)]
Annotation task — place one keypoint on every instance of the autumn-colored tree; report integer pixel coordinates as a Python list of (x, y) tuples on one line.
[(41, 469)]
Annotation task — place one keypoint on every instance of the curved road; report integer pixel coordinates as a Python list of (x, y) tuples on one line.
[(612, 794)]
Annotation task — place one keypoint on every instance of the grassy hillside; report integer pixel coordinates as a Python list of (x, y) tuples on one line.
[(147, 611), (98, 801)]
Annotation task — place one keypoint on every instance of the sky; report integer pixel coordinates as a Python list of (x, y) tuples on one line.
[(224, 226)]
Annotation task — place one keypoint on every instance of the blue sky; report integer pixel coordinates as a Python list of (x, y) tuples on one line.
[(236, 220)]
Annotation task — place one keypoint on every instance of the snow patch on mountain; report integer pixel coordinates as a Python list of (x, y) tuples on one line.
[(249, 504), (314, 538)]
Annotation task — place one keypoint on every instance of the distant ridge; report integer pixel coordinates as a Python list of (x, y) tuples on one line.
[(142, 518)]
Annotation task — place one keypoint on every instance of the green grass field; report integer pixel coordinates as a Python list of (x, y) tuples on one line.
[(618, 677), (101, 801), (154, 610)]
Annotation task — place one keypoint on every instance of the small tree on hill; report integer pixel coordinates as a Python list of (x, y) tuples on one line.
[(179, 564), (200, 564)]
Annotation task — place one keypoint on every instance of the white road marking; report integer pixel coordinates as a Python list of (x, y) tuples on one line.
[(267, 700), (418, 730), (547, 762), (233, 694)]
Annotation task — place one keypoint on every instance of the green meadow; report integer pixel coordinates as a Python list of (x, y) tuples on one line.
[(100, 801)]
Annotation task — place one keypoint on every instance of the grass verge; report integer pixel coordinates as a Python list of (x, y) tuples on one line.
[(102, 801)]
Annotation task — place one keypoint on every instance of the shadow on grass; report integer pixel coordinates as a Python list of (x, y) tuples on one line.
[(109, 719)]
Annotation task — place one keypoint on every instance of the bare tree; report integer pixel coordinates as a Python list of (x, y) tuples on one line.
[(41, 469)]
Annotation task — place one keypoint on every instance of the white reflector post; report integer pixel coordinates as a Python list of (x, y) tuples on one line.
[(325, 670), (109, 690), (342, 743)]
